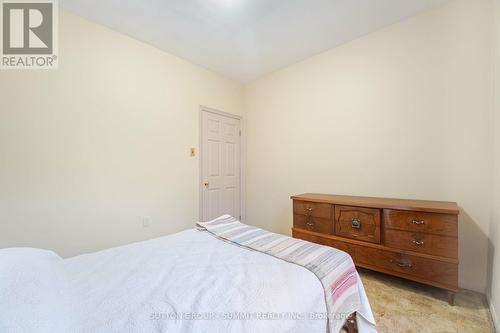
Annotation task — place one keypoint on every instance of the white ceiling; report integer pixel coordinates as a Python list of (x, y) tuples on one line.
[(245, 39)]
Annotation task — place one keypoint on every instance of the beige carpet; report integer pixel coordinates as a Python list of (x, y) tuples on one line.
[(403, 306)]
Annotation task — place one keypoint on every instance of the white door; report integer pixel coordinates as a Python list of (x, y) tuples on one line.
[(220, 163)]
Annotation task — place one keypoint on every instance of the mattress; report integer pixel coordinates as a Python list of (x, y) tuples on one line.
[(185, 282)]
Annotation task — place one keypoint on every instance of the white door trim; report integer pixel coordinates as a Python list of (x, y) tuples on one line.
[(242, 159)]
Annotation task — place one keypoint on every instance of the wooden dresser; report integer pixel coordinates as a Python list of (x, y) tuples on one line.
[(412, 239)]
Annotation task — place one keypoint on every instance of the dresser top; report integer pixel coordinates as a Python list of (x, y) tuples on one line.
[(399, 204)]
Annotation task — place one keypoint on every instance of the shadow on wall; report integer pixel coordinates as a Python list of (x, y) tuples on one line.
[(491, 259), (489, 268), (472, 252), (286, 214)]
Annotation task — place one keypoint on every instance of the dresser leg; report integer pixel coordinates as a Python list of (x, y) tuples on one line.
[(451, 298)]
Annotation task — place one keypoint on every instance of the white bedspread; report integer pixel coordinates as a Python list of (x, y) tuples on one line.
[(161, 284)]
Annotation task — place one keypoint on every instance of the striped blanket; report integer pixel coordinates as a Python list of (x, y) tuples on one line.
[(334, 268)]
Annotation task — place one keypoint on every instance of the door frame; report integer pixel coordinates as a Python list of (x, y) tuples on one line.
[(242, 163)]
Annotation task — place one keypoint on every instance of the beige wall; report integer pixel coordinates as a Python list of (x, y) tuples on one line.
[(89, 149), (402, 112), (494, 242)]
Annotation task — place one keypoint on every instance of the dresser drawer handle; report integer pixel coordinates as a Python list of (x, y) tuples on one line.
[(418, 222), (309, 209), (419, 243), (309, 223), (356, 223), (402, 264)]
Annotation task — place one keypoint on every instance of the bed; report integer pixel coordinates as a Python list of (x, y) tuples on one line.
[(186, 282)]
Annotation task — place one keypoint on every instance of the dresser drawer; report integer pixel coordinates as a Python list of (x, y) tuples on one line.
[(423, 243), (358, 223), (312, 223), (439, 224), (346, 247), (440, 272), (313, 209)]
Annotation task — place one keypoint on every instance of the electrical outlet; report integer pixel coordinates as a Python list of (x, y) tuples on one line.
[(145, 221)]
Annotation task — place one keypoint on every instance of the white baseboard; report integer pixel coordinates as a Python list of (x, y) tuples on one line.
[(494, 315)]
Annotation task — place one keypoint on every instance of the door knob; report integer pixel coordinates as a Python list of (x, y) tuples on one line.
[(206, 184)]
